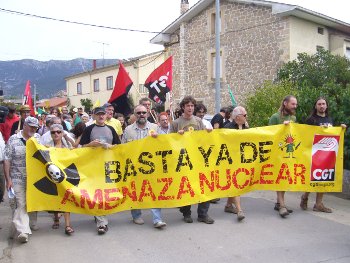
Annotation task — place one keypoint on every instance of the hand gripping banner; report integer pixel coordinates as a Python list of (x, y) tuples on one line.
[(175, 170)]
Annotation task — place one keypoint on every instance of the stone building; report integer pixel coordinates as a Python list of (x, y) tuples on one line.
[(256, 38)]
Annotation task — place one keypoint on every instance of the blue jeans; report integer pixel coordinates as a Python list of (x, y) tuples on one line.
[(202, 210), (156, 214)]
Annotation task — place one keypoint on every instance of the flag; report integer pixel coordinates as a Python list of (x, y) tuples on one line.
[(233, 100), (27, 98), (119, 97), (97, 104), (160, 81)]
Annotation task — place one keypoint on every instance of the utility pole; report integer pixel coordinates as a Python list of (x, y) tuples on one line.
[(217, 56), (103, 51)]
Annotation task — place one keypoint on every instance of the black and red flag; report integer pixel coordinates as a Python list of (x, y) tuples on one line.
[(160, 82), (119, 97), (27, 98)]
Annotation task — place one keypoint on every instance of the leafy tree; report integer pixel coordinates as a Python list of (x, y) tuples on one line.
[(87, 104), (266, 101), (308, 77)]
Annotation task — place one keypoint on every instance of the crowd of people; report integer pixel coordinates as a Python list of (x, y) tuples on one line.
[(62, 129)]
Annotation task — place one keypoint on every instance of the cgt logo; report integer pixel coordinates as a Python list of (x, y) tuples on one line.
[(324, 155), (54, 175)]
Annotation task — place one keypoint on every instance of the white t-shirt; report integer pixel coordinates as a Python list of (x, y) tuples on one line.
[(207, 124)]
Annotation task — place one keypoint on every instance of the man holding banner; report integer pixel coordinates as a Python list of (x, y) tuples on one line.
[(16, 178), (100, 135), (185, 123), (140, 129), (285, 115)]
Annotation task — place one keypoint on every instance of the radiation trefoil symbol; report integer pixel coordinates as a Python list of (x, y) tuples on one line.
[(54, 175)]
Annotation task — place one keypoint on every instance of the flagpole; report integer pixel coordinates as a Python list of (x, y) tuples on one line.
[(34, 98), (153, 117)]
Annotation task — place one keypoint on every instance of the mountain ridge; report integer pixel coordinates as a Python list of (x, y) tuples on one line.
[(47, 76)]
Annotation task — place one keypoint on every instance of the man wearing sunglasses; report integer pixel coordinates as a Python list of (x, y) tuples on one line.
[(239, 122), (99, 135), (140, 129)]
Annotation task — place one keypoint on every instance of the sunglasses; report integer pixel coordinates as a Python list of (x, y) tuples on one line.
[(53, 132), (141, 112)]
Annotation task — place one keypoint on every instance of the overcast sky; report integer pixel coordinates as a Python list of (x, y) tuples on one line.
[(27, 37)]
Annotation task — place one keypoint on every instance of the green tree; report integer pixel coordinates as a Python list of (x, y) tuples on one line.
[(87, 104), (308, 77), (266, 101)]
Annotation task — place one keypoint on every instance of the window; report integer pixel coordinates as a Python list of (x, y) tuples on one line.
[(213, 65), (212, 22), (109, 81), (142, 89), (347, 52), (96, 85), (79, 88), (320, 30), (319, 48)]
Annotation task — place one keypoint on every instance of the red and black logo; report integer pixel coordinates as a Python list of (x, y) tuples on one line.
[(324, 155)]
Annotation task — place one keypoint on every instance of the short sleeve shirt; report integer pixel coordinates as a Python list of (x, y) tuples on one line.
[(15, 151), (278, 119)]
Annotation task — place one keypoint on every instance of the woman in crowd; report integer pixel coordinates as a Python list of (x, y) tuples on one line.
[(76, 133), (58, 141)]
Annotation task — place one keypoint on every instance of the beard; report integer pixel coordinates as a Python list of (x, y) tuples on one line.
[(141, 120), (290, 111)]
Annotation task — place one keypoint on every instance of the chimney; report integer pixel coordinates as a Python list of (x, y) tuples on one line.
[(184, 6), (94, 64)]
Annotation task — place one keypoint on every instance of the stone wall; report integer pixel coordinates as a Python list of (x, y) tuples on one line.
[(254, 43)]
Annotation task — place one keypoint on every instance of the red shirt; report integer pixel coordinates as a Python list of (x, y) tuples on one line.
[(5, 128)]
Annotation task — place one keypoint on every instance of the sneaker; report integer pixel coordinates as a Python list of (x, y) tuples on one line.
[(159, 224), (188, 219), (102, 229), (215, 201), (138, 221), (230, 209), (23, 238), (240, 215), (303, 203), (283, 211), (207, 220), (277, 208)]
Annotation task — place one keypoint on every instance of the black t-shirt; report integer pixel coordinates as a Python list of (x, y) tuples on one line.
[(234, 125), (103, 133), (217, 119), (317, 120)]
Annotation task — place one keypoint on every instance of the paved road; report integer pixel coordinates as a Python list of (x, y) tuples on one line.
[(262, 237)]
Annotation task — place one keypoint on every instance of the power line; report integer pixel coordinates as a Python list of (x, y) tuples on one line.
[(75, 22)]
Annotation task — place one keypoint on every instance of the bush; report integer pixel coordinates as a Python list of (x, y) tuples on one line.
[(266, 101)]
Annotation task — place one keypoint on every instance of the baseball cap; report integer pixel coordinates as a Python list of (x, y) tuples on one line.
[(98, 110), (24, 108), (107, 104), (31, 121)]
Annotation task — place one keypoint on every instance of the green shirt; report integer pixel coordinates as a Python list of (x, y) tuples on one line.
[(278, 119)]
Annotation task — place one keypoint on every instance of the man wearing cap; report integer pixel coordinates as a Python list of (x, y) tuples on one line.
[(10, 119), (99, 135), (112, 121), (16, 178), (18, 125)]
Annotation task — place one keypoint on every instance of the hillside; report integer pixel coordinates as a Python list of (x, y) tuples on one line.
[(47, 76)]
